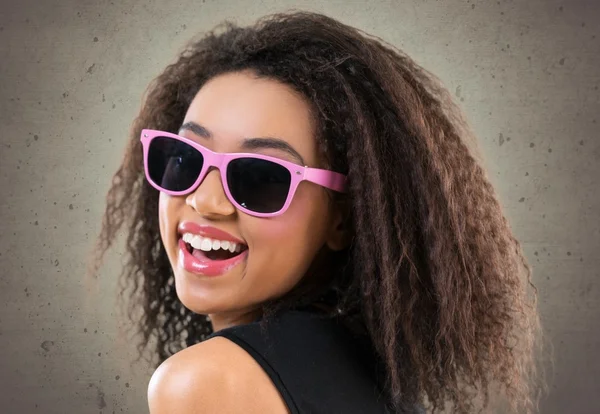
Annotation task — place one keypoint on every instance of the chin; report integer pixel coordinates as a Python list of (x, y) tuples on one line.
[(202, 300)]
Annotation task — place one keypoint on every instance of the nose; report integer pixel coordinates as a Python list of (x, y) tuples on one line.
[(209, 199)]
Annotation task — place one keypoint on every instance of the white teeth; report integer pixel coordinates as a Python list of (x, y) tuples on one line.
[(206, 244), (196, 241)]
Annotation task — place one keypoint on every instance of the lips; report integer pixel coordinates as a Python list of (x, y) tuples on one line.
[(198, 261), (202, 265)]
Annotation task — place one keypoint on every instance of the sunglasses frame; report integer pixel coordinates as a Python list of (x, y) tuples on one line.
[(325, 178)]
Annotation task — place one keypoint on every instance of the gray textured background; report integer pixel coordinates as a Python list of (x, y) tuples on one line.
[(72, 74)]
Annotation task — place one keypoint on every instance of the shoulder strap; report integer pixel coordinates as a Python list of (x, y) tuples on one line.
[(312, 362)]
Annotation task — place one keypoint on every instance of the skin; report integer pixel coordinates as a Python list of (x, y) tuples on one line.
[(215, 376), (233, 107)]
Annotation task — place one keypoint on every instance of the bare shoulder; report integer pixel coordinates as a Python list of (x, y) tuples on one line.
[(215, 376)]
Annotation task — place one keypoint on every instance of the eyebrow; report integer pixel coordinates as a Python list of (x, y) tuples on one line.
[(247, 143)]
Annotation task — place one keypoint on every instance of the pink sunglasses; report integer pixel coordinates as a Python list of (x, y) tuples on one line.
[(258, 185)]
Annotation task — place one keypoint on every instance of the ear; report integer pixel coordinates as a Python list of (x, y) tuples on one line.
[(340, 232)]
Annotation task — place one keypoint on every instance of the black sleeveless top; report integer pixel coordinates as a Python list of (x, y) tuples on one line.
[(317, 364)]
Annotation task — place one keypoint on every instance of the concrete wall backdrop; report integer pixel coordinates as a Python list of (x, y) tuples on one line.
[(72, 73)]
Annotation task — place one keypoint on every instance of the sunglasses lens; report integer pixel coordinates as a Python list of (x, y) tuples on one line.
[(172, 164), (259, 185)]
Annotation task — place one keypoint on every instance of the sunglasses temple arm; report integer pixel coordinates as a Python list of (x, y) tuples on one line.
[(326, 178)]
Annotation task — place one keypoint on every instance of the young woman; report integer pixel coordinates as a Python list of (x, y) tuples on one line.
[(308, 232)]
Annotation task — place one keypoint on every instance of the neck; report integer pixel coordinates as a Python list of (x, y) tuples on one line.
[(222, 320)]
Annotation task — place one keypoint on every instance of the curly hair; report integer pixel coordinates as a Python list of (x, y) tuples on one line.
[(433, 275)]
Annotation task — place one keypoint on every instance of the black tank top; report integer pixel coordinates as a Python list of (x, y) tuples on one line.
[(317, 364)]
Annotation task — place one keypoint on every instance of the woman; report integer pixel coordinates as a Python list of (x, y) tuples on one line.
[(309, 232)]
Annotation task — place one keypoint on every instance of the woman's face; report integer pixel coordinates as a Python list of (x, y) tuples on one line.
[(233, 107)]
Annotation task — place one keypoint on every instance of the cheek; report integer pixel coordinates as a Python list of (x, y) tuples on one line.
[(303, 218), (292, 239)]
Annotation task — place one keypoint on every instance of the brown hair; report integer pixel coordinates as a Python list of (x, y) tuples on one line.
[(433, 275)]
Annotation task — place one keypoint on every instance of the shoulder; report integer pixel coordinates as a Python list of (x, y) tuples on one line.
[(213, 376)]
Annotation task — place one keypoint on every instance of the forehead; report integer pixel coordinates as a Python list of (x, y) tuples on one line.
[(236, 106)]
